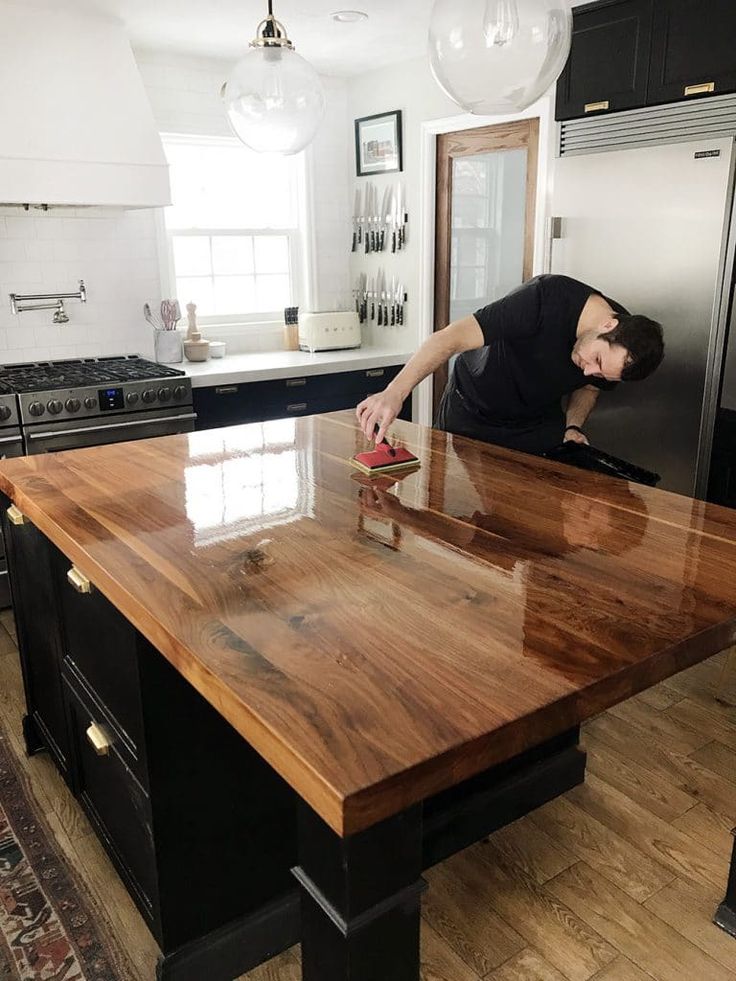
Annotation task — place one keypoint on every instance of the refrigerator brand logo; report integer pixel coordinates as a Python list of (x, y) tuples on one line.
[(702, 154)]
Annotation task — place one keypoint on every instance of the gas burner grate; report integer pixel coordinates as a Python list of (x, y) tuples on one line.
[(44, 376)]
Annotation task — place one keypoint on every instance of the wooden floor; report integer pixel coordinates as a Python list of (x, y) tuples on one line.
[(616, 881)]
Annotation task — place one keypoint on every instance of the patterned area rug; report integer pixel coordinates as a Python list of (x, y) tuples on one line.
[(47, 929)]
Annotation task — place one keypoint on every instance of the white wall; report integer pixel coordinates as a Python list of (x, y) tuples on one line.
[(411, 88), (116, 252), (47, 252)]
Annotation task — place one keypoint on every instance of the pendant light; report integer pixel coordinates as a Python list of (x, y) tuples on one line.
[(274, 98), (498, 56)]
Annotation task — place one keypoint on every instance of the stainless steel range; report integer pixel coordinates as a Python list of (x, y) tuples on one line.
[(48, 406), (63, 405)]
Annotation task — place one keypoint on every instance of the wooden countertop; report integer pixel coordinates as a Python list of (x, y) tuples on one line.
[(378, 642)]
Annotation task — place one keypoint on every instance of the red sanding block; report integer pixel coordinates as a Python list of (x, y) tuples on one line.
[(384, 459)]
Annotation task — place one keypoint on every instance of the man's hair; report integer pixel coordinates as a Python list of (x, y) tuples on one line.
[(644, 343)]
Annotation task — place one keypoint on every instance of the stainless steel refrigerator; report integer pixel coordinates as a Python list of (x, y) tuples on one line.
[(649, 227)]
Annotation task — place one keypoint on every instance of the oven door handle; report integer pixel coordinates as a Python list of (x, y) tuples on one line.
[(185, 417), (10, 439)]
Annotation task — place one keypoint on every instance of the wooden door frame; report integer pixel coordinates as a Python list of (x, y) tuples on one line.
[(520, 134)]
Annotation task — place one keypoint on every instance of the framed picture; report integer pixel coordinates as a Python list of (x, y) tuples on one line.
[(378, 143)]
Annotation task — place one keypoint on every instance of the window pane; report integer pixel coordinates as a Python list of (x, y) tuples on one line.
[(232, 254), (272, 293), (192, 255), (226, 185), (272, 254), (191, 289), (234, 294)]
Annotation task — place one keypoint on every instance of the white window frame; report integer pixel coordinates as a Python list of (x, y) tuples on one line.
[(299, 243)]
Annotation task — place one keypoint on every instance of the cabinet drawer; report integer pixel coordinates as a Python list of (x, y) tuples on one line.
[(114, 799), (102, 647)]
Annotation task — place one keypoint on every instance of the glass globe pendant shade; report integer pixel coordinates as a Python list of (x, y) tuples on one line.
[(274, 98), (498, 56)]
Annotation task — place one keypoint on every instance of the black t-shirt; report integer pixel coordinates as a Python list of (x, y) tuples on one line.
[(525, 367)]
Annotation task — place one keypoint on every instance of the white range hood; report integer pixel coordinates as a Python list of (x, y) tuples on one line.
[(76, 127)]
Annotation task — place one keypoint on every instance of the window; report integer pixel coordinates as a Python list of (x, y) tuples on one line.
[(233, 230)]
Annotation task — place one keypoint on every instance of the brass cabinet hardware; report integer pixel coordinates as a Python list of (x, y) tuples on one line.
[(374, 373), (295, 382), (700, 89), (100, 739), (597, 106), (16, 516), (296, 407), (78, 579)]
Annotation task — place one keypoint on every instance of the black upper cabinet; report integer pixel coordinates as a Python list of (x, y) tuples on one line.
[(631, 53), (693, 49), (609, 62)]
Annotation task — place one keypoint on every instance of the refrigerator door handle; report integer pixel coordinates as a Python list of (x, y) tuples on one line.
[(554, 231)]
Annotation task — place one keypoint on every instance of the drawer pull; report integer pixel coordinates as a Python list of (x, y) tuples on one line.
[(99, 738), (16, 516), (296, 407), (78, 579), (700, 89), (375, 373), (295, 382), (597, 106)]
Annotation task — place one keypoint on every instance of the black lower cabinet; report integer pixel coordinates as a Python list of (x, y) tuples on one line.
[(285, 398), (722, 480), (30, 558)]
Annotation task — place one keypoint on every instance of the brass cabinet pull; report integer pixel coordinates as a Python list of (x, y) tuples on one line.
[(700, 89), (78, 579), (16, 516), (296, 407), (374, 373), (100, 739), (295, 382), (597, 106)]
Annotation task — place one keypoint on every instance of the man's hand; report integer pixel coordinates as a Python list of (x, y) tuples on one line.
[(573, 436), (378, 410)]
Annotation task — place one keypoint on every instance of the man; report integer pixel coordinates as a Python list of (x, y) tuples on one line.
[(551, 339)]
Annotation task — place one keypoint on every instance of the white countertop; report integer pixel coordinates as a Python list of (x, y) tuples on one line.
[(264, 366)]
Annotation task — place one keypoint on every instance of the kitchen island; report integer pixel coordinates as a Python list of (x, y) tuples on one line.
[(401, 665)]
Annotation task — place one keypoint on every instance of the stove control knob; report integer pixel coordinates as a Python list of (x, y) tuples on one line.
[(90, 402), (149, 395), (73, 405), (131, 398), (55, 406), (164, 393), (180, 392), (5, 412), (37, 408)]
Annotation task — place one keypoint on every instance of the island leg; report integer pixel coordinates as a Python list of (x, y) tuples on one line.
[(725, 916), (360, 899)]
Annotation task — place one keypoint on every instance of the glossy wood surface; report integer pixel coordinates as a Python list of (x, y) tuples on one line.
[(378, 641)]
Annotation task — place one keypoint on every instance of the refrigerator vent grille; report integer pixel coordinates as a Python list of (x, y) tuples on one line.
[(678, 123)]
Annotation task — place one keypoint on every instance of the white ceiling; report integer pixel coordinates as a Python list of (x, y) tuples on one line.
[(395, 30)]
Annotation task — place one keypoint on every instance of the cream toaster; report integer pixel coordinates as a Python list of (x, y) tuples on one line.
[(329, 331)]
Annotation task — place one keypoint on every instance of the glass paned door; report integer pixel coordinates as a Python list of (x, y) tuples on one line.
[(484, 226)]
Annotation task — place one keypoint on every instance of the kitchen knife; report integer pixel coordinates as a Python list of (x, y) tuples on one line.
[(364, 297), (404, 219), (372, 293), (379, 319), (400, 308), (374, 218), (356, 220), (385, 302), (367, 218), (393, 301), (385, 216), (394, 218)]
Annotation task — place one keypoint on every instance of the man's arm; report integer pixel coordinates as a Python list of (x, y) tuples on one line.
[(381, 409), (579, 406)]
